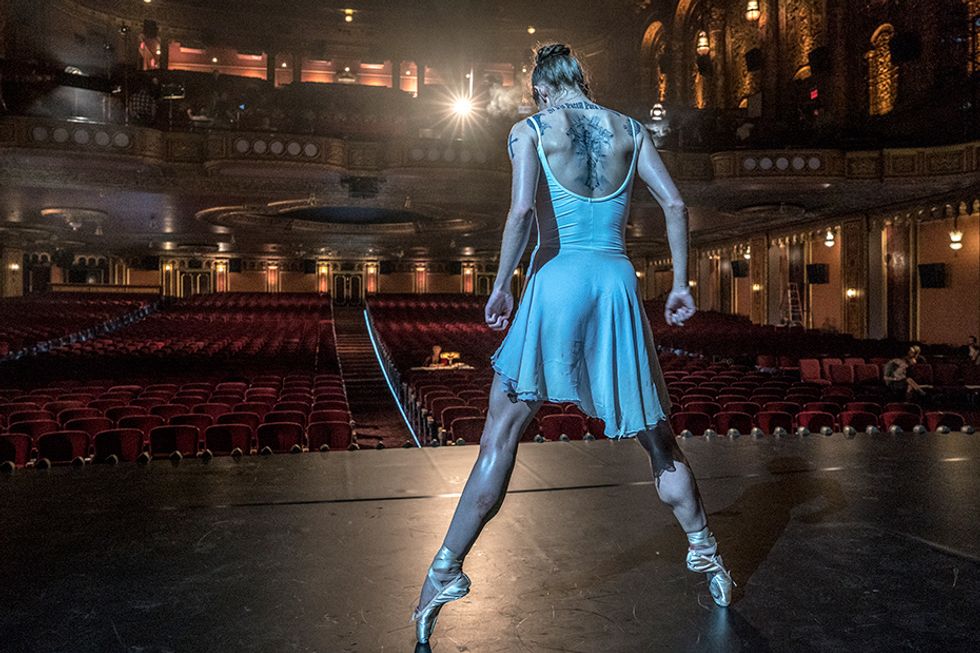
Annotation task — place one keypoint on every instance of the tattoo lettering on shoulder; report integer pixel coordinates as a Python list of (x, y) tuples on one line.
[(510, 144), (591, 142)]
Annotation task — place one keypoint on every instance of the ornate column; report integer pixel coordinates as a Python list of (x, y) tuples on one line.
[(297, 66), (758, 271), (772, 72), (719, 58), (854, 275)]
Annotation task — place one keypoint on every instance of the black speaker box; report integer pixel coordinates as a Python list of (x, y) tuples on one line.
[(932, 275), (905, 47), (455, 267), (819, 60), (309, 266), (740, 269), (817, 273), (235, 265), (386, 267), (753, 60), (704, 65)]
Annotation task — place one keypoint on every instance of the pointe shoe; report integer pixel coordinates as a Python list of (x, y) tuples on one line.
[(451, 590), (719, 579)]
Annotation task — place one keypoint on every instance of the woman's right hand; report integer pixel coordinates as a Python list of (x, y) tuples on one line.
[(498, 309), (679, 308)]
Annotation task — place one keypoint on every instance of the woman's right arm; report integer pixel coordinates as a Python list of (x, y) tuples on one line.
[(653, 172)]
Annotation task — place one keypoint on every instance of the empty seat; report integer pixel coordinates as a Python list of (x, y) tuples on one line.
[(34, 428), (782, 407), (223, 439), (726, 420), (90, 425), (197, 420), (215, 410), (63, 446), (863, 407), (256, 407), (251, 420), (294, 416), (15, 448), (770, 420), (903, 407), (743, 407), (596, 426), (569, 425), (69, 414), (822, 407), (30, 416), (280, 437), (125, 444), (142, 423), (708, 407), (905, 421), (165, 440), (116, 413), (815, 420), (952, 421), (859, 420), (336, 435), (696, 423), (470, 429)]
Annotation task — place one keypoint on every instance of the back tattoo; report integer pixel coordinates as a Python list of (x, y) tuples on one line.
[(591, 141)]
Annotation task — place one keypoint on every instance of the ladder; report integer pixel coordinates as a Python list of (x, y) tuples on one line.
[(793, 315)]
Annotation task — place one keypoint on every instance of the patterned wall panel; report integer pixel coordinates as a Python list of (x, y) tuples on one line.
[(757, 273), (854, 273)]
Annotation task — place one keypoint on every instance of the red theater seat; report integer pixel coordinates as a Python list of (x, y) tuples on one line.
[(63, 446), (91, 425), (554, 426), (859, 420), (142, 423), (336, 435), (280, 437), (952, 421), (726, 420), (905, 421), (696, 423), (116, 413), (165, 440), (35, 428), (294, 416), (15, 448), (814, 420), (251, 420), (770, 420), (125, 444), (470, 429), (223, 439)]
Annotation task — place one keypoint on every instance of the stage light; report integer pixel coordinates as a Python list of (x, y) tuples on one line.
[(703, 46), (658, 112), (214, 59), (463, 107), (531, 29), (284, 65), (147, 1), (752, 12)]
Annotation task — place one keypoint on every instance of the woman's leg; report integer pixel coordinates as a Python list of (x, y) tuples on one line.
[(678, 489), (486, 487), (673, 477)]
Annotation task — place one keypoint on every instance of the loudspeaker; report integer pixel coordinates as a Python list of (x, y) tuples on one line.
[(195, 264), (386, 267), (704, 65), (753, 60), (740, 269), (235, 265), (817, 273), (309, 266), (932, 275), (819, 60), (905, 46), (455, 267), (150, 29)]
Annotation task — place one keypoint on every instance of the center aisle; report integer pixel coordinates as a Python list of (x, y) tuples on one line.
[(371, 404)]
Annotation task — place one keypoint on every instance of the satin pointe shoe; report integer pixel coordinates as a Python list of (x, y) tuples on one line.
[(452, 589), (719, 579)]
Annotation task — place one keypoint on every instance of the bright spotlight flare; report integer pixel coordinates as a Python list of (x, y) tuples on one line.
[(462, 106)]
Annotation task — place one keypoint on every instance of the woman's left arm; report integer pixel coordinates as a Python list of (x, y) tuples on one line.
[(526, 168)]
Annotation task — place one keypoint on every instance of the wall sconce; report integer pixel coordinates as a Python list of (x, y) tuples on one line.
[(756, 287), (830, 238), (323, 269), (168, 268), (220, 266), (692, 284), (955, 237), (14, 267), (852, 293), (752, 12), (704, 46), (349, 15), (747, 254), (658, 112)]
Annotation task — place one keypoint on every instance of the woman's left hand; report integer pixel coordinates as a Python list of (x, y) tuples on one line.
[(498, 310)]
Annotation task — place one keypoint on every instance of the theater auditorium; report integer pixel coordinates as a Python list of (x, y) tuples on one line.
[(288, 289)]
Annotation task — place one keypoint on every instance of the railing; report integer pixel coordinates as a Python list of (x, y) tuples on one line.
[(391, 374)]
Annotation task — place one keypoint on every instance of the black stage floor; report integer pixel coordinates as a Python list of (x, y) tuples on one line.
[(837, 545)]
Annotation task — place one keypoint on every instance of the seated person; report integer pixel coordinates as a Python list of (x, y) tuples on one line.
[(897, 379), (915, 353), (435, 358)]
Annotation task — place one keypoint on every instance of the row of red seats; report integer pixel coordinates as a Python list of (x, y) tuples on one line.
[(768, 421)]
